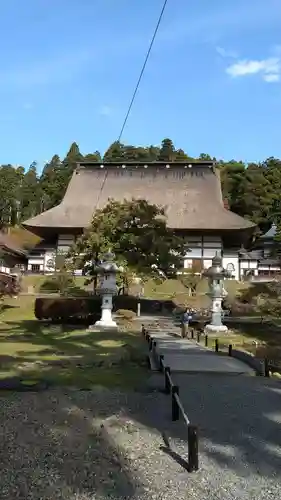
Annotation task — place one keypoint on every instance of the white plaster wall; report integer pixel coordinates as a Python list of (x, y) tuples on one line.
[(252, 264), (5, 269), (50, 254)]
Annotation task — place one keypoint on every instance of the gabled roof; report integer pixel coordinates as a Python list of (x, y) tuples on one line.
[(270, 233), (7, 245), (189, 192)]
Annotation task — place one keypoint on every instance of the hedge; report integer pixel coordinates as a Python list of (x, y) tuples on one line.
[(88, 309)]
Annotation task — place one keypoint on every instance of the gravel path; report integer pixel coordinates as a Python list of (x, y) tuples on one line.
[(108, 445)]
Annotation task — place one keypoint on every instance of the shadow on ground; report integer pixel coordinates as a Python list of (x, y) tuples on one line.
[(70, 355), (239, 421)]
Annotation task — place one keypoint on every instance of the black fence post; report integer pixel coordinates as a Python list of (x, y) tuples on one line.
[(154, 345), (266, 368), (193, 461), (161, 362), (167, 372), (230, 350), (206, 340), (192, 333), (150, 343), (216, 345), (175, 406), (198, 337)]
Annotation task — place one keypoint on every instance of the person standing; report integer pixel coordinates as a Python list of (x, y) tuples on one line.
[(186, 317)]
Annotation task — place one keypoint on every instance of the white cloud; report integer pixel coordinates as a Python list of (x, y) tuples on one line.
[(270, 78), (269, 69)]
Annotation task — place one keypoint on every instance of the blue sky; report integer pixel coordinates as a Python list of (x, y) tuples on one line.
[(68, 69)]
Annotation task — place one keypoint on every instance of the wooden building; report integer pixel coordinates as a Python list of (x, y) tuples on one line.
[(10, 254), (189, 192)]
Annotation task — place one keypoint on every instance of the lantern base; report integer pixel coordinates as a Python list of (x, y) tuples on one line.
[(216, 328), (101, 325)]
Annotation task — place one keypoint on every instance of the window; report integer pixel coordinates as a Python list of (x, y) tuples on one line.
[(35, 268)]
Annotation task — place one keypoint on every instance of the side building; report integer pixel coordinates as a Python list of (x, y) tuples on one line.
[(11, 255), (190, 193), (263, 261)]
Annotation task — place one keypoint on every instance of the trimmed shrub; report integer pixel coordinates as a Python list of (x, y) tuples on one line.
[(126, 314), (68, 309), (49, 286)]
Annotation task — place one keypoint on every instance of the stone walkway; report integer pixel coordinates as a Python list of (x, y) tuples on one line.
[(183, 355)]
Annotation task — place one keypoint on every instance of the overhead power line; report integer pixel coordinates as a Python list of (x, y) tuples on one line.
[(143, 69), (136, 89)]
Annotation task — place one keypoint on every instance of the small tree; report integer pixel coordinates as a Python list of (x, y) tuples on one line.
[(9, 287), (269, 303), (136, 232)]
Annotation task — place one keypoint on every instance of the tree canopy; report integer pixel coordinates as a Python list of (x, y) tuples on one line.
[(136, 232), (251, 190)]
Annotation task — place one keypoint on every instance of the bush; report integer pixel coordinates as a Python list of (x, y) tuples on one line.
[(126, 314), (60, 282), (68, 310), (49, 286)]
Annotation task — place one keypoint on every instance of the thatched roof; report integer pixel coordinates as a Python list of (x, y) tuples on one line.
[(8, 246), (190, 193)]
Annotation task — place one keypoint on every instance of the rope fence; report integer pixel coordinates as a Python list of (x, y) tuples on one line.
[(177, 409)]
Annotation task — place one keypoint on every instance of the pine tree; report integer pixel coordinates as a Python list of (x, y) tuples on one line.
[(167, 151), (52, 184), (29, 199), (115, 152)]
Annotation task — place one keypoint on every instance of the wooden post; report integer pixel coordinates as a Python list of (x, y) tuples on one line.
[(175, 407), (167, 372), (216, 345), (230, 350), (193, 461), (161, 362), (266, 368)]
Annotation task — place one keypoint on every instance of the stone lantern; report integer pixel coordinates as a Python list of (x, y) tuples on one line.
[(216, 275), (107, 271)]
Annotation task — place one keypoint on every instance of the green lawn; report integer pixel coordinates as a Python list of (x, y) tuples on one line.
[(68, 356), (261, 339)]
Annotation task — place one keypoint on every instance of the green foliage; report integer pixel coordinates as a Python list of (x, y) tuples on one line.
[(9, 286), (68, 310), (138, 235), (269, 303), (62, 281), (88, 309), (189, 280)]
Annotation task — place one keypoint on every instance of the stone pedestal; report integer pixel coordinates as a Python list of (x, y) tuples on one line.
[(107, 270), (216, 274), (106, 320), (216, 322)]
